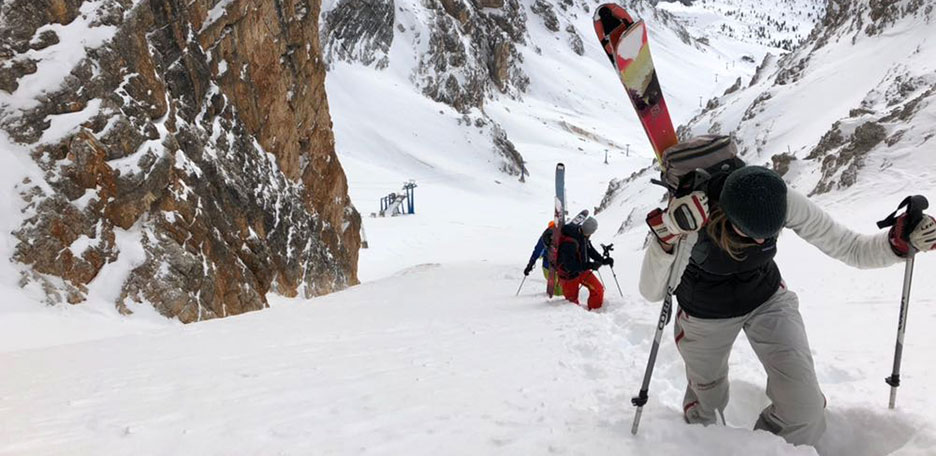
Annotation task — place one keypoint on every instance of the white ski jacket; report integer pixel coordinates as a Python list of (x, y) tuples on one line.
[(804, 217)]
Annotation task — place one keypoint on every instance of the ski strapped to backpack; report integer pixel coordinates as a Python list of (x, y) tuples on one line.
[(559, 219), (580, 218)]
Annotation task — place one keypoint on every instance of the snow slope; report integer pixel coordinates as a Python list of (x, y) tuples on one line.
[(434, 354), (452, 369)]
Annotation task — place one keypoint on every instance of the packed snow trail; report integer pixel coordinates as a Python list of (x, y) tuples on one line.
[(438, 359)]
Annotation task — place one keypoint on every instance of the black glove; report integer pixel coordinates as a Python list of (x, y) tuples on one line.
[(527, 269), (594, 265), (608, 261)]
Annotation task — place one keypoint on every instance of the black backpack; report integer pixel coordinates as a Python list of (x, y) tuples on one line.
[(701, 163)]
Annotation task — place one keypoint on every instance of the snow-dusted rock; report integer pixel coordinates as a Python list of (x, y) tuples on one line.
[(187, 153)]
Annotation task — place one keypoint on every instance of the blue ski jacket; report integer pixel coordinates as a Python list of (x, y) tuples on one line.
[(542, 244)]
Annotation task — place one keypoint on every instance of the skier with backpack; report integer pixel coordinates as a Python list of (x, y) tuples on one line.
[(539, 251), (713, 247), (576, 260)]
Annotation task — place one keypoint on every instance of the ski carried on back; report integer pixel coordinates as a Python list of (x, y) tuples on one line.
[(580, 218), (559, 219), (625, 42)]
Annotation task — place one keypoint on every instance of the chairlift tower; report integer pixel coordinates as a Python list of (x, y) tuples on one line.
[(409, 189)]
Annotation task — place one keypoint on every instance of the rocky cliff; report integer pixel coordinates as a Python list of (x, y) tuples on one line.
[(467, 51), (197, 129)]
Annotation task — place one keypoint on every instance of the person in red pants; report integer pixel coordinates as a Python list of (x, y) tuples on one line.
[(577, 258)]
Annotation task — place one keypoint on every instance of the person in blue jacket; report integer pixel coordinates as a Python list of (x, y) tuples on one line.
[(541, 250)]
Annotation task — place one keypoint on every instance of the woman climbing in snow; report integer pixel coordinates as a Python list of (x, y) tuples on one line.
[(718, 257)]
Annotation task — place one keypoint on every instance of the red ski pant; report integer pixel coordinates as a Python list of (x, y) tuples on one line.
[(588, 280)]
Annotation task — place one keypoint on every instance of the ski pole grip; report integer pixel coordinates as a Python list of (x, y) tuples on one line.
[(606, 249), (915, 205), (915, 208)]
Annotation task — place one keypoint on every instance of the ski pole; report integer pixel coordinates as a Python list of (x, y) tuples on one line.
[(607, 253), (641, 399), (665, 312), (894, 379), (613, 274), (616, 281), (521, 285), (915, 206)]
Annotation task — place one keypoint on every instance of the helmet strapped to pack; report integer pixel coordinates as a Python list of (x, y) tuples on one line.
[(701, 163)]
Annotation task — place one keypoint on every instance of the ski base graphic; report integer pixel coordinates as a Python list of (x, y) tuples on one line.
[(625, 42)]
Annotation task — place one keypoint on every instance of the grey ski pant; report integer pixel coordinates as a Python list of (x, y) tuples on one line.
[(778, 337)]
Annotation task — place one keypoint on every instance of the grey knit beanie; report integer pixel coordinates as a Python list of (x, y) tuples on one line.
[(589, 226), (755, 200)]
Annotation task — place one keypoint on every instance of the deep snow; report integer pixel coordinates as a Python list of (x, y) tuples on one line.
[(436, 359), (434, 354)]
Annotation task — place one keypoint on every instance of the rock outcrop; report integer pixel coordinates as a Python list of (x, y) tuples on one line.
[(359, 31), (468, 51), (198, 130)]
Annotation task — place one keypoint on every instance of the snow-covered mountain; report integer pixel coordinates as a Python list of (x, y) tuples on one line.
[(853, 103), (779, 24)]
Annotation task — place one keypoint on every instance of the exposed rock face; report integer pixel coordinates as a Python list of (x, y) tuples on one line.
[(492, 3), (883, 120), (471, 45), (575, 41), (781, 162), (199, 132), (471, 52), (545, 11), (840, 169), (360, 31), (734, 87)]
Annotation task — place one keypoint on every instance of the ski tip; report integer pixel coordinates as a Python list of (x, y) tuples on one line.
[(611, 15), (599, 11)]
